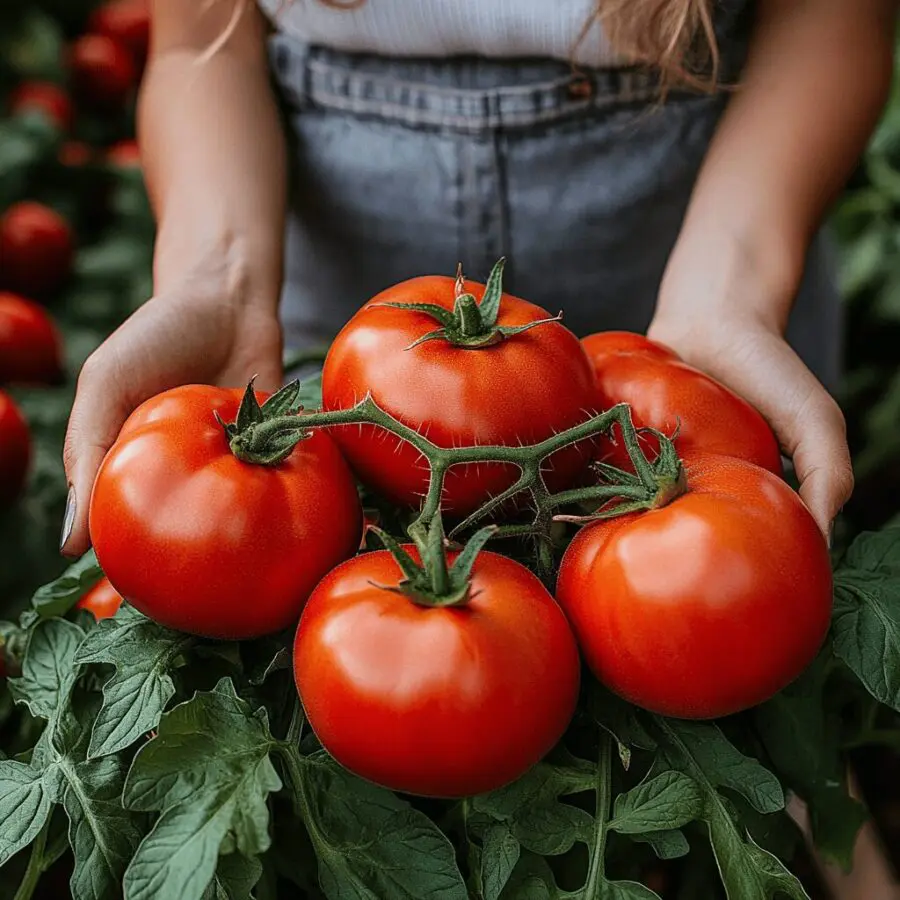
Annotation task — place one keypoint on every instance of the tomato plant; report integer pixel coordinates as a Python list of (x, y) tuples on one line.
[(36, 247), (102, 72), (124, 155), (517, 378), (207, 543), (472, 669), (15, 450), (102, 600), (707, 605), (673, 397), (30, 351), (45, 97)]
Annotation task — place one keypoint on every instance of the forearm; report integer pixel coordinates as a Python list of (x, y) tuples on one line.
[(213, 150), (816, 79)]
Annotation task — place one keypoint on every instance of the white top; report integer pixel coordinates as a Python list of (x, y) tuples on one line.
[(439, 28)]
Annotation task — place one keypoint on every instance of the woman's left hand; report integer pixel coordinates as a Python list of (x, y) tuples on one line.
[(756, 362)]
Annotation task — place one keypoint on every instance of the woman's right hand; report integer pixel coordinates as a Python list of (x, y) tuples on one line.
[(198, 331)]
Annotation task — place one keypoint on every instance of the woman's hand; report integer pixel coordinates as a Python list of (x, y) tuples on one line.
[(753, 359), (202, 329)]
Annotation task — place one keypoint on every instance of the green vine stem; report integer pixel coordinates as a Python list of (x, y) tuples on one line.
[(35, 865), (597, 866), (265, 436)]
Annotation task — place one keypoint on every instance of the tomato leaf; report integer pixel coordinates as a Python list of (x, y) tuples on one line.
[(59, 596), (664, 803), (665, 844), (531, 808), (48, 670), (236, 876), (802, 740), (209, 773), (499, 855), (371, 844), (866, 623), (137, 692), (25, 806), (701, 751)]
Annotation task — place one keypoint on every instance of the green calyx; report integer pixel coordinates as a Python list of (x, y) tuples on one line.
[(258, 435), (471, 325), (435, 583)]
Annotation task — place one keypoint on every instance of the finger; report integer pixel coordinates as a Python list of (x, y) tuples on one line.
[(97, 415), (822, 459)]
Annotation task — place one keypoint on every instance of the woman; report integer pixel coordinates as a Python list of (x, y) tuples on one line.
[(589, 145)]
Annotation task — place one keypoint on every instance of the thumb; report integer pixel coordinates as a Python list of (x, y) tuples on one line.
[(97, 415)]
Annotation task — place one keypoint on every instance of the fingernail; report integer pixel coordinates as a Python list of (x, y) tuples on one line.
[(68, 519)]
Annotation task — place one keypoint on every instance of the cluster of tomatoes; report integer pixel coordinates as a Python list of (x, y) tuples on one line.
[(445, 671), (37, 243)]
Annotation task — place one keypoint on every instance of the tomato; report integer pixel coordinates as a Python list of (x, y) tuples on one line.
[(30, 347), (521, 390), (102, 600), (125, 21), (436, 701), (202, 542), (124, 155), (708, 605), (44, 97), (36, 249), (15, 450), (665, 393), (102, 71), (610, 343)]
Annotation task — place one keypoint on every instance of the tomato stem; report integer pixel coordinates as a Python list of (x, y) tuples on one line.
[(267, 434), (597, 866), (35, 865)]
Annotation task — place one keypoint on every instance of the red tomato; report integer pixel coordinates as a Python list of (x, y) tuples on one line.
[(439, 701), (44, 97), (204, 543), (102, 71), (125, 21), (15, 450), (36, 249), (124, 155), (665, 393), (705, 606), (30, 347), (609, 343), (102, 600), (521, 390)]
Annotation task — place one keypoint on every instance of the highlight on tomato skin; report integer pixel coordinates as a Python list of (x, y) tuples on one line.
[(102, 600), (669, 395), (706, 606), (439, 702)]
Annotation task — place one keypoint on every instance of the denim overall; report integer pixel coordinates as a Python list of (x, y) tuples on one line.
[(581, 178)]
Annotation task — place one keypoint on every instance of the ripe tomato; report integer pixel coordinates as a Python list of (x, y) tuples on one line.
[(15, 450), (705, 606), (36, 248), (665, 393), (44, 97), (102, 600), (521, 390), (205, 543), (124, 155), (436, 701), (125, 21), (30, 347), (612, 343), (102, 71)]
